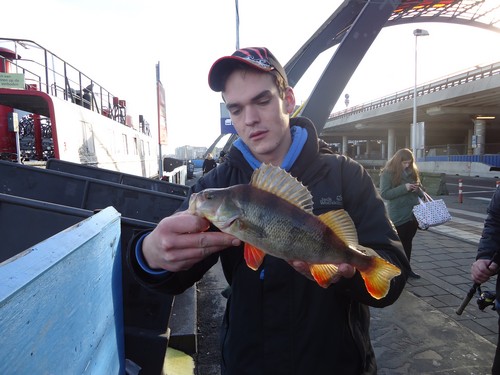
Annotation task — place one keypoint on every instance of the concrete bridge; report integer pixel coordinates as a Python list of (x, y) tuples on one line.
[(460, 113)]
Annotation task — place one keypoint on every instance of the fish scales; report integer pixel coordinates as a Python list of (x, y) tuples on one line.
[(282, 229)]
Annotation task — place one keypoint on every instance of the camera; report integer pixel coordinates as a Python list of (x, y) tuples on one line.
[(486, 299)]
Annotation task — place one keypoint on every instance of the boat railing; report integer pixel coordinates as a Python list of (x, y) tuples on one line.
[(47, 72)]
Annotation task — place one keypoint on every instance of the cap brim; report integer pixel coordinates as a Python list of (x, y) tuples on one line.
[(222, 65)]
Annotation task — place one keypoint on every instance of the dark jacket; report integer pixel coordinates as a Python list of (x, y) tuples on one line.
[(276, 320), (208, 165), (489, 244)]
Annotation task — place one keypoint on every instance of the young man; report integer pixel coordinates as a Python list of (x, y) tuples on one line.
[(488, 260), (277, 320)]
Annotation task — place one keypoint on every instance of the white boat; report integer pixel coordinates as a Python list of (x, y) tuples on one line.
[(59, 112)]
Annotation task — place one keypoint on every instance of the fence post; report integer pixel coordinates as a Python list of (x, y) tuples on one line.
[(460, 192), (443, 189)]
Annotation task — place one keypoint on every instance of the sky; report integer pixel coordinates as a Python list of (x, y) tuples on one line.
[(119, 42)]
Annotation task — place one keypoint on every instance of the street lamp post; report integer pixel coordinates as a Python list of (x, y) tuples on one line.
[(417, 33), (237, 24)]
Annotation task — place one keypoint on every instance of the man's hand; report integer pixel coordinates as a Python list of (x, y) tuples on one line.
[(179, 241), (480, 272)]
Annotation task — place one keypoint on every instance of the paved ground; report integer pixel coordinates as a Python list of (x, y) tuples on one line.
[(421, 333)]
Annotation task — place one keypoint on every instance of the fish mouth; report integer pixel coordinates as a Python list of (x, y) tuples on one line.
[(218, 218), (223, 224)]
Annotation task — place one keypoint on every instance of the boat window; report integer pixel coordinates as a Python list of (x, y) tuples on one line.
[(125, 143), (88, 139)]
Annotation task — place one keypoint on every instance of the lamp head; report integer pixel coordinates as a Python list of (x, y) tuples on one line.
[(420, 32)]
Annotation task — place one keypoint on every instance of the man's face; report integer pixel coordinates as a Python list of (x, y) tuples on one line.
[(259, 115)]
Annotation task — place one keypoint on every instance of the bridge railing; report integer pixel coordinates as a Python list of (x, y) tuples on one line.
[(427, 88)]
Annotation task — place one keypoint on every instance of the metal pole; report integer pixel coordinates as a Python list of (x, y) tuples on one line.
[(417, 33), (158, 104), (18, 147), (414, 123), (237, 25)]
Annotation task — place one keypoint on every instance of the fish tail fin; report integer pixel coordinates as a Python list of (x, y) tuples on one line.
[(253, 256), (378, 276), (323, 273)]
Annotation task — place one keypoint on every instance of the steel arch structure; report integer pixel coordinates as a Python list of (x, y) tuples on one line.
[(355, 25)]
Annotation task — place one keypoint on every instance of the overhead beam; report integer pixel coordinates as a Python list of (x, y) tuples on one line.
[(346, 59), (329, 34)]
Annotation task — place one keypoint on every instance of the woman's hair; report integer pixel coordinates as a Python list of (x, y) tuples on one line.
[(395, 166)]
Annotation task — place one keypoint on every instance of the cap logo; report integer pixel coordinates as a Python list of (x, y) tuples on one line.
[(255, 56), (260, 62)]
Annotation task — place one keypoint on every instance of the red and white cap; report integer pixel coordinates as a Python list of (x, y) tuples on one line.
[(259, 58)]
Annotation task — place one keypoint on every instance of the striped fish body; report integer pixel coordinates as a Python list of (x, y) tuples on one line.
[(275, 226)]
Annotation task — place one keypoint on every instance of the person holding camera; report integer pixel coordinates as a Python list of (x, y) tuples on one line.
[(486, 264), (400, 187)]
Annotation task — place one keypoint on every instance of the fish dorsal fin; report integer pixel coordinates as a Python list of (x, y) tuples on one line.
[(342, 225), (281, 183)]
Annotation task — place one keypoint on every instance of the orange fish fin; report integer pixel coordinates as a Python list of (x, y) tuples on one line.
[(253, 256), (378, 276), (323, 273), (342, 225), (282, 184)]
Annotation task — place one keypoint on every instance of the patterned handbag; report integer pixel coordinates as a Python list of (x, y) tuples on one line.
[(430, 212)]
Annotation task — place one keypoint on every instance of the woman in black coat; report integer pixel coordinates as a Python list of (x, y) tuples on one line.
[(208, 164)]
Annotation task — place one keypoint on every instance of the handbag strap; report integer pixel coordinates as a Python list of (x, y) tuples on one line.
[(427, 197)]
